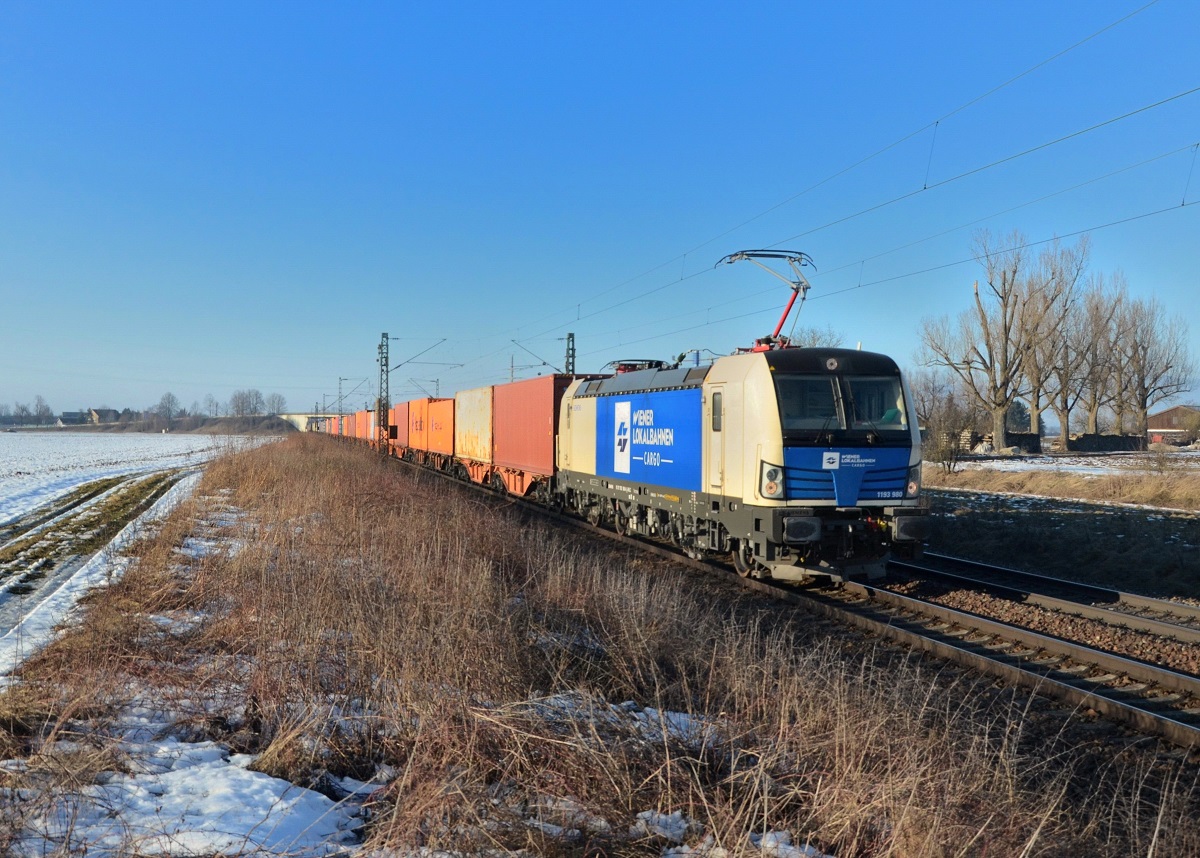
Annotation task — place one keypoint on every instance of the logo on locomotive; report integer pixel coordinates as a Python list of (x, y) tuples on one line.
[(621, 451)]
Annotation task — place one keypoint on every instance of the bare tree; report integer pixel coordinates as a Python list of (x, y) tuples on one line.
[(42, 412), (211, 406), (1153, 360), (986, 348), (1049, 294), (168, 407), (238, 405), (944, 412), (244, 403), (812, 338), (21, 412), (275, 403)]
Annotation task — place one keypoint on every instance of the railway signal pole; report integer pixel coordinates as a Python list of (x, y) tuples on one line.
[(383, 403)]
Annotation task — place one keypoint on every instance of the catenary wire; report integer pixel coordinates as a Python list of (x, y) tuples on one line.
[(886, 203), (866, 159), (893, 278)]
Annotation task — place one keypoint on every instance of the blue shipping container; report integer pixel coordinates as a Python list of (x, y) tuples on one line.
[(652, 438)]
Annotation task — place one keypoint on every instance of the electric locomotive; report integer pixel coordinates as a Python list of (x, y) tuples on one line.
[(800, 463)]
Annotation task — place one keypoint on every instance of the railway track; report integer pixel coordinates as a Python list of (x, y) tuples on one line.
[(1176, 620), (1144, 697)]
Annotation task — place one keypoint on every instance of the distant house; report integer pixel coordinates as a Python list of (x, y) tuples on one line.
[(104, 415), (73, 418), (1172, 424)]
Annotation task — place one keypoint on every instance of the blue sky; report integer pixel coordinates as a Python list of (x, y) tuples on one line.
[(202, 197)]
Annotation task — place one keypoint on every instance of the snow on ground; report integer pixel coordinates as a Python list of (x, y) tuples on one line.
[(1097, 464), (186, 798), (35, 629), (37, 467)]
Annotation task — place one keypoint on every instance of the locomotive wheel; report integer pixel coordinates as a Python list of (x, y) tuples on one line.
[(743, 559), (621, 519)]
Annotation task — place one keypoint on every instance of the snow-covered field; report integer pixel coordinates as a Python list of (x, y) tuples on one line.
[(1095, 464), (37, 467)]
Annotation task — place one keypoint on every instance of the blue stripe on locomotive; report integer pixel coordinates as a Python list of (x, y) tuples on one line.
[(845, 475), (652, 438)]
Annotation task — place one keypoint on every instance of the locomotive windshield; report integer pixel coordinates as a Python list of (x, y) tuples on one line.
[(824, 409)]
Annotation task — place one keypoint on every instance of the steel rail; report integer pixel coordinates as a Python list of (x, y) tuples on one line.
[(1098, 593), (1040, 682), (1109, 616)]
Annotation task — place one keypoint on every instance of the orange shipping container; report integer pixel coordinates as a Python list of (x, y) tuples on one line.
[(525, 421), (418, 424), (400, 421), (441, 426), (431, 425)]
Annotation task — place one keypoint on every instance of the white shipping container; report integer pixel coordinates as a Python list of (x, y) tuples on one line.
[(473, 424)]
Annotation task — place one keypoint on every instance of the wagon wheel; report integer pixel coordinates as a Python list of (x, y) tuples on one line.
[(620, 520)]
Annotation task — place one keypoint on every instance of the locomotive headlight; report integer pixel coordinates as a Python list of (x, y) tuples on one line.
[(913, 485), (770, 484)]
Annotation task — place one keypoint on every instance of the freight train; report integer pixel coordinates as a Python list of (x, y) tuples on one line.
[(799, 464)]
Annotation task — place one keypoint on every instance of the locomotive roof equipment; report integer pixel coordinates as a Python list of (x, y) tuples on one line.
[(800, 286)]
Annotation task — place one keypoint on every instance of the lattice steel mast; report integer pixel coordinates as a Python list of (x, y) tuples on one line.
[(383, 403)]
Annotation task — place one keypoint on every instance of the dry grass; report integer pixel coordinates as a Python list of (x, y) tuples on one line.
[(375, 619)]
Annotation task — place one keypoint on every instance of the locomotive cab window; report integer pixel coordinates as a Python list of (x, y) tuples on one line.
[(876, 403), (842, 408), (809, 403)]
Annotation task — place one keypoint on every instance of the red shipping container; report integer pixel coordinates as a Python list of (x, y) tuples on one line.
[(525, 422)]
